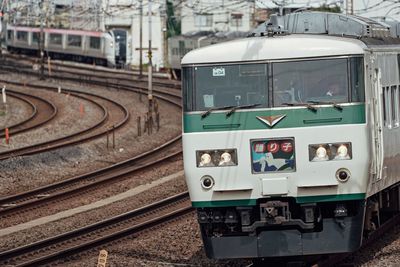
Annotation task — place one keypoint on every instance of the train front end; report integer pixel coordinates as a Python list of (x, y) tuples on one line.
[(276, 163)]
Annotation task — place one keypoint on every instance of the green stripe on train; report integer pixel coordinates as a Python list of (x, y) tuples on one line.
[(247, 120), (300, 200)]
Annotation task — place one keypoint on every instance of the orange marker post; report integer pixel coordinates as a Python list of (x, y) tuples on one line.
[(7, 136), (82, 109)]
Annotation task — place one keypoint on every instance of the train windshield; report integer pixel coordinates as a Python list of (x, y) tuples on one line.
[(276, 84), (318, 81), (226, 85)]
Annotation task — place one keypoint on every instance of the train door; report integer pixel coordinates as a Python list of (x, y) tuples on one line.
[(377, 119), (120, 39)]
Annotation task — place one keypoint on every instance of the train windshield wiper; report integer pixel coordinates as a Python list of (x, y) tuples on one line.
[(335, 105), (234, 108), (207, 112), (310, 107)]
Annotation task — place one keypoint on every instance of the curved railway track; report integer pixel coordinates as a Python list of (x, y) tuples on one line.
[(100, 128), (15, 205), (88, 72), (24, 202), (80, 185), (43, 111), (98, 234)]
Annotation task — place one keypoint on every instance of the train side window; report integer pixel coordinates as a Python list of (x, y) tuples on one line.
[(94, 42), (35, 37), (55, 39), (386, 101), (74, 40), (22, 36), (395, 105), (10, 35)]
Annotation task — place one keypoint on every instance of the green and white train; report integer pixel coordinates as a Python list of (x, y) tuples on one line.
[(291, 137)]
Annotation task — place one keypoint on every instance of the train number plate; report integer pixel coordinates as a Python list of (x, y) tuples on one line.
[(273, 155)]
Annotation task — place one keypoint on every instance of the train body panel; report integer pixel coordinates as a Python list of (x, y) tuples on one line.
[(291, 141), (241, 183)]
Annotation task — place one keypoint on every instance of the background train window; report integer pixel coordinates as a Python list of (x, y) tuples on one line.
[(230, 85), (10, 35), (35, 37), (22, 36), (310, 80), (74, 40), (55, 39), (94, 42)]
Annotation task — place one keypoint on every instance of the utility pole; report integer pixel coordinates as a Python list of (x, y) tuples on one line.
[(150, 68), (140, 39), (41, 40), (165, 35)]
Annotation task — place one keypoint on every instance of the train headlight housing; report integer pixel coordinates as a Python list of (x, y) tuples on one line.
[(216, 158), (330, 151)]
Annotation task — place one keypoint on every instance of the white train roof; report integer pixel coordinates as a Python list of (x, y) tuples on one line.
[(277, 47)]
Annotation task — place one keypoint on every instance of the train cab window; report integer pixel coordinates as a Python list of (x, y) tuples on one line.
[(35, 37), (10, 35), (357, 79), (22, 36), (94, 42), (74, 40), (317, 81), (230, 85), (187, 84), (55, 39)]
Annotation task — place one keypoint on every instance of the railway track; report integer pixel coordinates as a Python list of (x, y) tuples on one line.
[(97, 235), (89, 72), (42, 111), (14, 206), (100, 128)]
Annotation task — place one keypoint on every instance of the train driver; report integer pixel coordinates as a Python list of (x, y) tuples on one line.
[(334, 89)]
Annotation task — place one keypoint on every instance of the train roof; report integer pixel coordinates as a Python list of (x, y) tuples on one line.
[(274, 48)]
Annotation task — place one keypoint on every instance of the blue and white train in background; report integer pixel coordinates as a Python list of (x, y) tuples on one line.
[(278, 165), (94, 47)]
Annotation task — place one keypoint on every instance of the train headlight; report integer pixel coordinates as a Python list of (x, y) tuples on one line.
[(342, 152), (321, 154), (205, 160), (330, 151), (226, 159), (216, 158)]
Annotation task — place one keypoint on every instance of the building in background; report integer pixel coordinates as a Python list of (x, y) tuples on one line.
[(217, 15)]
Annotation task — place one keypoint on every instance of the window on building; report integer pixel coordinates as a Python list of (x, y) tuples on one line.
[(94, 42), (236, 19), (55, 39), (22, 36), (74, 40), (203, 20)]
